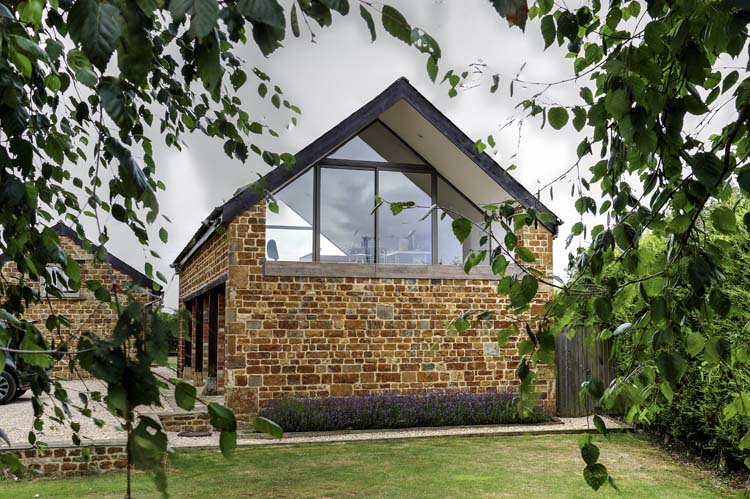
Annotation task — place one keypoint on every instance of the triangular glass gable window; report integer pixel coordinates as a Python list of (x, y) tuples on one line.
[(377, 143)]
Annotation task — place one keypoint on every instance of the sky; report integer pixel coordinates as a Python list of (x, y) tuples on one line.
[(334, 76)]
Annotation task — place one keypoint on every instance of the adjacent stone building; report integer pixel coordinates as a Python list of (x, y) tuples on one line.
[(84, 312), (309, 290)]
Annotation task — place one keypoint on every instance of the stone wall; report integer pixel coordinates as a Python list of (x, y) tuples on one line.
[(85, 313), (204, 267), (208, 263), (185, 421), (57, 461), (317, 337)]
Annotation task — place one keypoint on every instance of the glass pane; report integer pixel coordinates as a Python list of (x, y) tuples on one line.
[(377, 143), (347, 224), (450, 250), (289, 234), (405, 238)]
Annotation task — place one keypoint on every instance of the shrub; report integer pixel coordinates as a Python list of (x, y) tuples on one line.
[(396, 410)]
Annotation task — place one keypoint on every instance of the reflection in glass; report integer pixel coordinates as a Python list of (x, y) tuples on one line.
[(454, 205), (347, 224), (405, 238), (289, 233)]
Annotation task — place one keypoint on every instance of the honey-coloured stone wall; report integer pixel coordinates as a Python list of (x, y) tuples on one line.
[(85, 313), (325, 336)]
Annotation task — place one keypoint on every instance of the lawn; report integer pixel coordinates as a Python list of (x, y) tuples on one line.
[(500, 467)]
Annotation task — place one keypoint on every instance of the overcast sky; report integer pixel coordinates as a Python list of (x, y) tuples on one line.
[(342, 70)]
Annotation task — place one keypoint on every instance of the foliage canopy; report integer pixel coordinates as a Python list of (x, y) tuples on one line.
[(84, 81)]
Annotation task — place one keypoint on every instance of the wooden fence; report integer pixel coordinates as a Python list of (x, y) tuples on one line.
[(579, 359)]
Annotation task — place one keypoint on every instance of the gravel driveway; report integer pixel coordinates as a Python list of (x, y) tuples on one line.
[(17, 417)]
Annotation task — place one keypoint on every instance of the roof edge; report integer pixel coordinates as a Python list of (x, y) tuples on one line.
[(401, 89), (61, 229)]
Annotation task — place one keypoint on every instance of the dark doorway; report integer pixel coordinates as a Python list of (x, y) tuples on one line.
[(213, 333), (187, 337), (198, 335)]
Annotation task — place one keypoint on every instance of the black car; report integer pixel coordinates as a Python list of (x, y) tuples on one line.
[(16, 377)]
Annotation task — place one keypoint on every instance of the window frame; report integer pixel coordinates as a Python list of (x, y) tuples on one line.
[(62, 294), (376, 166)]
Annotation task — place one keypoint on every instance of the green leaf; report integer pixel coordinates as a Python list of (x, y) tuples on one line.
[(184, 395), (600, 426), (263, 11), (579, 118), (744, 442), (203, 14), (113, 101), (603, 308), (432, 68), (365, 14), (549, 32), (395, 24), (30, 342), (516, 12), (695, 343), (743, 179), (474, 259), (707, 168), (724, 220), (525, 254), (499, 265), (163, 235), (504, 335), (221, 418), (294, 21), (208, 64), (557, 117), (595, 475), (268, 427), (567, 25), (97, 26), (617, 103), (340, 6), (461, 228), (680, 224), (590, 453), (134, 57), (672, 366), (227, 442), (699, 271), (720, 302)]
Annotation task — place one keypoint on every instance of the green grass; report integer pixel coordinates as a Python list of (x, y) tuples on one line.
[(172, 362), (500, 467)]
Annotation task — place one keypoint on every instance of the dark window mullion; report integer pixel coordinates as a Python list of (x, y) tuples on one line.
[(316, 213), (376, 245), (433, 188)]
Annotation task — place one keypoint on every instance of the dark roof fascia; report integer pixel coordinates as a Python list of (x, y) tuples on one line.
[(206, 227), (350, 126), (63, 230)]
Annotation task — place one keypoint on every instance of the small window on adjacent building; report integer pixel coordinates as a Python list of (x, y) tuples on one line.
[(289, 233), (55, 284)]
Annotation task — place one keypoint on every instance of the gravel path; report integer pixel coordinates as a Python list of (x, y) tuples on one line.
[(16, 419), (565, 425)]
